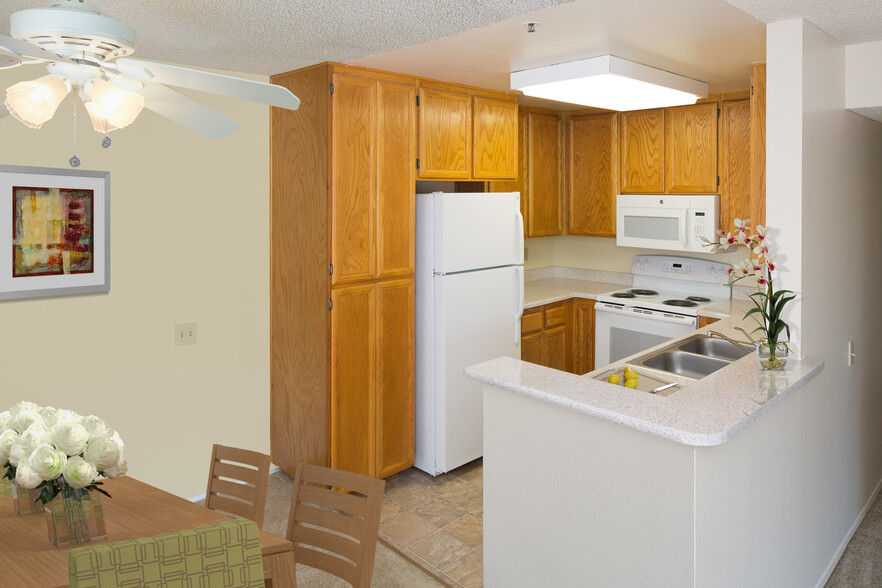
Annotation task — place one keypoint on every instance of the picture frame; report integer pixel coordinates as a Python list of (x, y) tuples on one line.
[(54, 232)]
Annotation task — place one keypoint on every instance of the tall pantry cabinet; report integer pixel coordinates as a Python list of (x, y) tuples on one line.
[(342, 268)]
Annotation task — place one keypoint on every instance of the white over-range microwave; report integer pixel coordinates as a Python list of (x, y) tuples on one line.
[(676, 222)]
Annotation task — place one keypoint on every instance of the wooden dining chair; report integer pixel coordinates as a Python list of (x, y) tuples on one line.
[(237, 481), (220, 554), (334, 521)]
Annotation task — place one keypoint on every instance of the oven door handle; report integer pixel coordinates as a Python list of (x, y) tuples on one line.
[(644, 313)]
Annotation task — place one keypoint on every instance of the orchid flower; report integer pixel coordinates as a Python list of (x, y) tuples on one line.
[(741, 226), (761, 249)]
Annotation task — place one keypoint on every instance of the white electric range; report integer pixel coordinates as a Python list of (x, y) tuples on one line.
[(665, 301)]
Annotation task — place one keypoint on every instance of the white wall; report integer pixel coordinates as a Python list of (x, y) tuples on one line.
[(189, 243), (823, 171)]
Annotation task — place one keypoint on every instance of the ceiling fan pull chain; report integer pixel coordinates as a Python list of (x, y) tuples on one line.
[(74, 161)]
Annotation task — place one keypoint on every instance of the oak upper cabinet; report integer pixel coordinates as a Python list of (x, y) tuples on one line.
[(341, 271), (758, 145), (495, 135), (583, 335), (522, 183), (734, 162), (544, 138), (691, 149), (466, 133), (592, 151), (445, 129), (643, 151)]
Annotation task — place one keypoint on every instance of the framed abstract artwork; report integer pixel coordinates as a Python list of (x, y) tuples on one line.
[(54, 232)]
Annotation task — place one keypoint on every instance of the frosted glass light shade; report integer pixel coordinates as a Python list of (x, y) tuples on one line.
[(119, 107), (609, 82), (34, 102), (99, 121)]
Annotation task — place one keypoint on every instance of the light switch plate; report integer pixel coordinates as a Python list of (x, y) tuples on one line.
[(185, 334)]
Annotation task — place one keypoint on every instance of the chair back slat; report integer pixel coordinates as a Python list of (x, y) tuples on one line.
[(328, 519), (320, 500), (327, 563), (251, 468)]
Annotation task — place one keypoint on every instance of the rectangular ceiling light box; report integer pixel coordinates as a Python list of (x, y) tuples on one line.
[(609, 82)]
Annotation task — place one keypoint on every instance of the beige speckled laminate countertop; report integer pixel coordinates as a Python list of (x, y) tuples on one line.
[(706, 412)]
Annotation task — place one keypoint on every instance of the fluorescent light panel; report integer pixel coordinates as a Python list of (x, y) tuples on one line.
[(609, 82)]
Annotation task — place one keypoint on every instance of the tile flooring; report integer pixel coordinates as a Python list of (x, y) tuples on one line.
[(438, 522)]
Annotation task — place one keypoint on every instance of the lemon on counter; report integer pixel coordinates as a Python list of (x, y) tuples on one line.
[(613, 379), (631, 383), (629, 374)]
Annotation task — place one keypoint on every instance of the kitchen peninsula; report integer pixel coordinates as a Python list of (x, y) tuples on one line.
[(591, 484)]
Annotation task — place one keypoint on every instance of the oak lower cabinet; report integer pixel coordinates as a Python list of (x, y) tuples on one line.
[(583, 336), (560, 335), (704, 321), (372, 377), (341, 271)]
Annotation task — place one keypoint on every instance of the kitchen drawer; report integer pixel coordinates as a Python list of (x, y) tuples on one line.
[(531, 321), (555, 315)]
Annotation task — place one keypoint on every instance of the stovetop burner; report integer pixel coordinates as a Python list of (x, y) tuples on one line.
[(683, 303), (643, 292), (698, 299), (622, 295)]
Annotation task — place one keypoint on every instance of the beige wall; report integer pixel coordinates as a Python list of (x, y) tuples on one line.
[(189, 243)]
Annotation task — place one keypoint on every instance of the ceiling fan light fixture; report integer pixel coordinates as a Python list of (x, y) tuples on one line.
[(117, 106), (99, 121), (33, 102), (609, 82)]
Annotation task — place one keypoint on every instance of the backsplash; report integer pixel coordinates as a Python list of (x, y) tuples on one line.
[(573, 273)]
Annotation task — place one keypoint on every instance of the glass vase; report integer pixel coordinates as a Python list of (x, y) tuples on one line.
[(25, 500), (74, 522), (5, 485), (772, 356)]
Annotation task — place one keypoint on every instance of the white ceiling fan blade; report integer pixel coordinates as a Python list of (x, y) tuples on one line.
[(194, 79), (187, 112), (25, 49)]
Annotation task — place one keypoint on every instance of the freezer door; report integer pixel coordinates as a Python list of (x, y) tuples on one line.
[(477, 318), (474, 231)]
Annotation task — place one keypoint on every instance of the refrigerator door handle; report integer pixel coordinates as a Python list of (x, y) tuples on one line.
[(519, 311), (519, 239)]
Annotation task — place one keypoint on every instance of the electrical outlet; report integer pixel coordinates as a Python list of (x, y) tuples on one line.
[(185, 334)]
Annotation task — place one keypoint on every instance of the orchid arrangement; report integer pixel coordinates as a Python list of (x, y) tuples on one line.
[(58, 451), (758, 267)]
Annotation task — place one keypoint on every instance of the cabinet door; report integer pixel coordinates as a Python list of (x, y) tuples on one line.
[(396, 153), (691, 149), (643, 150), (353, 179), (704, 321), (522, 183), (555, 348), (735, 163), (495, 135), (583, 336), (395, 376), (532, 347), (445, 129), (758, 145), (593, 175), (352, 410), (545, 203)]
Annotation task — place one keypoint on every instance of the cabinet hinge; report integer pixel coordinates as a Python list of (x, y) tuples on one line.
[(718, 112), (418, 163), (332, 88), (718, 180), (330, 304), (331, 269), (418, 100), (751, 89)]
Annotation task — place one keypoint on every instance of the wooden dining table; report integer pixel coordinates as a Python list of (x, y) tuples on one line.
[(27, 558)]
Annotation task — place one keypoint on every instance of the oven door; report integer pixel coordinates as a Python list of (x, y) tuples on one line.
[(620, 332)]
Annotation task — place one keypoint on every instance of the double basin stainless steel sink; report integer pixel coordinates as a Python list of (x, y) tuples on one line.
[(695, 357)]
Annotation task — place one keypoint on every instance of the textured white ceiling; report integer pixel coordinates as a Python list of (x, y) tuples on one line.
[(849, 21), (274, 36)]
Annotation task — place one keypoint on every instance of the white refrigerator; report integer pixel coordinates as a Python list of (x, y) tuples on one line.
[(469, 302)]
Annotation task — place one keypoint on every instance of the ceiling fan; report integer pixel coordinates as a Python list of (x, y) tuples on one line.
[(87, 52)]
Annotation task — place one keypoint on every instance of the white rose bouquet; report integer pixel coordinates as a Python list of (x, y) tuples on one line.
[(58, 451)]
